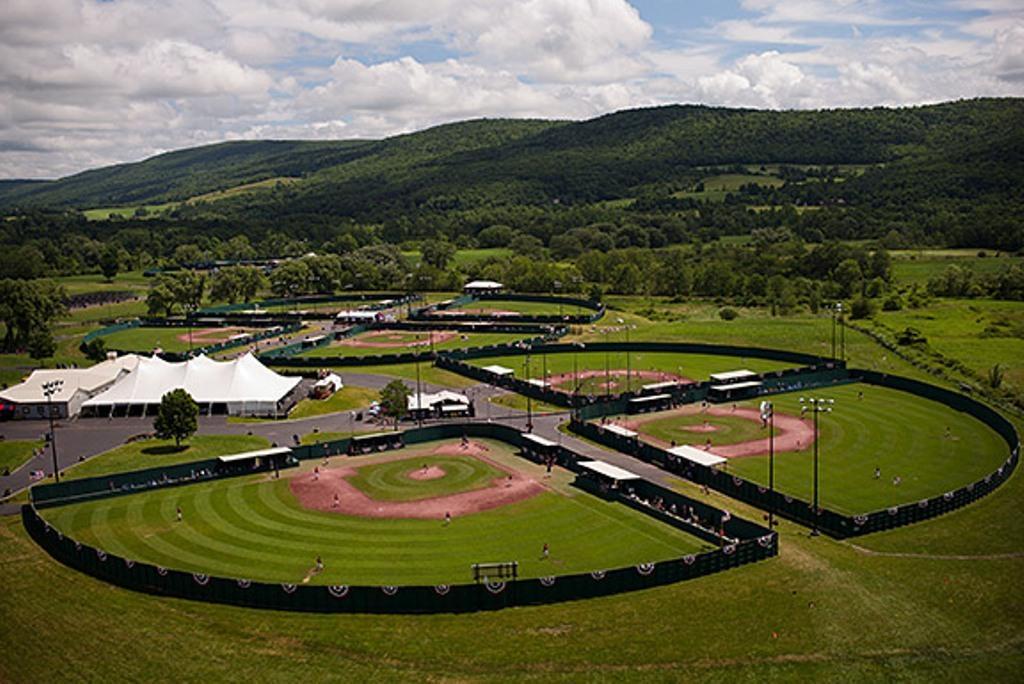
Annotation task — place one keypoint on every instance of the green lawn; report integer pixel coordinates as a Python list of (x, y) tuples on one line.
[(518, 401), (900, 433), (692, 366), (405, 371), (15, 452), (389, 481), (254, 527), (150, 453), (145, 340), (467, 257), (537, 308), (349, 398)]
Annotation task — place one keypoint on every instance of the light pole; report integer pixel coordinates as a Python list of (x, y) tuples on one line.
[(842, 332), (833, 312), (558, 289), (815, 405), (768, 414), (419, 390), (628, 366), (607, 370), (576, 346), (529, 401), (49, 389)]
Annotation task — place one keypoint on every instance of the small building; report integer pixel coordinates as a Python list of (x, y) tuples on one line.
[(483, 287), (734, 385), (649, 402), (500, 371), (697, 456), (326, 386), (443, 404), (603, 479)]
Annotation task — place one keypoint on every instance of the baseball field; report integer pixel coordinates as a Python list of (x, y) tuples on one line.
[(382, 342), (379, 520), (146, 339), (921, 448)]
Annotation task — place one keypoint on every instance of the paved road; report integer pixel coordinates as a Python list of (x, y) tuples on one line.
[(80, 439)]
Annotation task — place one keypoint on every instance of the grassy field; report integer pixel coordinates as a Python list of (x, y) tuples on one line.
[(903, 435), (15, 452), (466, 257), (348, 398), (150, 453), (406, 341), (979, 333), (692, 366), (145, 340), (919, 266), (728, 429), (254, 527)]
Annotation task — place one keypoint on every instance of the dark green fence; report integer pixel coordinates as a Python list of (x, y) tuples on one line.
[(741, 542), (835, 524)]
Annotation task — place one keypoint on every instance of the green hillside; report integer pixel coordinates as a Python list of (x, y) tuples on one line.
[(619, 155)]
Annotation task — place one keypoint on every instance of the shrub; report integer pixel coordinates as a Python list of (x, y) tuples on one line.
[(728, 314)]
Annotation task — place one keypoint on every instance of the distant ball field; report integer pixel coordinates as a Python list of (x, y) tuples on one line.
[(921, 448), (259, 528), (383, 342)]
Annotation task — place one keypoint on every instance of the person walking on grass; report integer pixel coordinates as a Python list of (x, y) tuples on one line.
[(178, 511), (545, 551)]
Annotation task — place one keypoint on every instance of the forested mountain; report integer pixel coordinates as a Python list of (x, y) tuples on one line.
[(505, 161), (944, 175)]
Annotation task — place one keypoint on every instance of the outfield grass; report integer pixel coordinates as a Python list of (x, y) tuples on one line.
[(537, 308), (406, 342), (254, 527), (347, 399), (405, 371), (150, 453), (519, 402), (692, 366), (14, 453), (145, 340), (902, 434)]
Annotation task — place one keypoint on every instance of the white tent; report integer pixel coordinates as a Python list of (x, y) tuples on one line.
[(244, 385)]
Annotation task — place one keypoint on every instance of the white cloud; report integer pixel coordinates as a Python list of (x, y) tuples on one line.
[(85, 83)]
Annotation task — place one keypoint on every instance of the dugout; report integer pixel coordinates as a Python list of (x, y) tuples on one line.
[(538, 449), (248, 461), (734, 385), (604, 479), (697, 456), (646, 404), (377, 441)]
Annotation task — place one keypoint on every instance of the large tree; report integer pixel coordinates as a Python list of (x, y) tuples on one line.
[(178, 417), (27, 306), (394, 399)]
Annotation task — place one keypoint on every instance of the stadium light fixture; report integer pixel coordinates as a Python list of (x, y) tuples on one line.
[(815, 405), (768, 416), (49, 389)]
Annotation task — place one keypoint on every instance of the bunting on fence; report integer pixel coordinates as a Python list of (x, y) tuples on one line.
[(765, 541), (598, 574), (389, 589), (860, 519), (244, 584), (289, 588), (202, 579), (729, 549), (338, 591), (442, 589), (547, 581), (101, 555), (689, 559), (129, 563), (161, 571), (645, 569), (495, 587), (893, 510)]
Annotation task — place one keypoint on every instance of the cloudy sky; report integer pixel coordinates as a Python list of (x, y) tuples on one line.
[(86, 83)]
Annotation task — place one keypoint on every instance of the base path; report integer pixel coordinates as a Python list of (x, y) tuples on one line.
[(791, 432), (318, 492)]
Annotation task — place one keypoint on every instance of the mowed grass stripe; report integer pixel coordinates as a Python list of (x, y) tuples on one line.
[(254, 528), (902, 434)]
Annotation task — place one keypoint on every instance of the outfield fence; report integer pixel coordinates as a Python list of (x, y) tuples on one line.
[(740, 542), (833, 523)]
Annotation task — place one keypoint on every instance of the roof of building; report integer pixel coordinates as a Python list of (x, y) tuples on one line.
[(88, 380), (695, 455), (426, 401), (728, 376), (244, 379), (483, 285), (608, 470)]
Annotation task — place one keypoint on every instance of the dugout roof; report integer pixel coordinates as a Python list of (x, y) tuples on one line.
[(698, 456), (729, 376), (608, 470), (620, 431), (245, 455), (499, 370)]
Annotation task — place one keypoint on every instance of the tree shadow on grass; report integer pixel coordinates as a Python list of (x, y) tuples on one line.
[(165, 449)]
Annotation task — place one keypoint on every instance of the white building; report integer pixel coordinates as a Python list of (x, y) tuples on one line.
[(482, 287), (77, 385), (443, 403)]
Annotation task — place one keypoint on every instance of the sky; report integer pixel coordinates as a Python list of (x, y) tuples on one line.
[(86, 83)]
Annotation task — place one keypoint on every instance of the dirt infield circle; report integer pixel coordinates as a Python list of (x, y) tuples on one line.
[(330, 489), (791, 432)]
